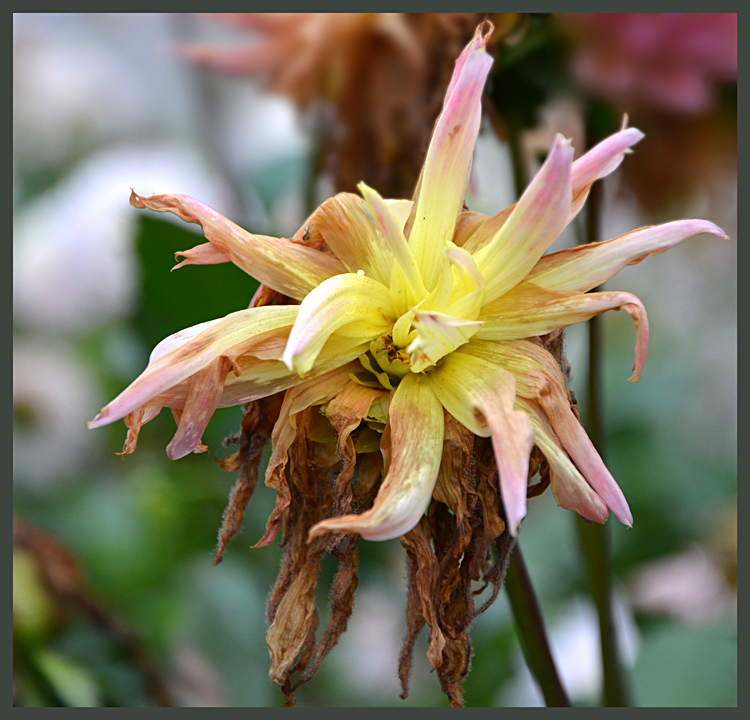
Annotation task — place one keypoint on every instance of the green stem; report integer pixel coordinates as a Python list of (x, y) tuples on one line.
[(594, 538), (531, 633)]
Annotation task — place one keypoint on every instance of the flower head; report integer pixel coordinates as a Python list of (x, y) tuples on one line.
[(411, 339), (441, 308)]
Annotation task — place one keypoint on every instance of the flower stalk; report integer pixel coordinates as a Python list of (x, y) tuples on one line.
[(531, 633)]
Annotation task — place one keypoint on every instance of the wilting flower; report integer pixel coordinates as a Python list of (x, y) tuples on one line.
[(418, 330)]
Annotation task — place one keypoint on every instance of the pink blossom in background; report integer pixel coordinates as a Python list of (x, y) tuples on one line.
[(668, 60)]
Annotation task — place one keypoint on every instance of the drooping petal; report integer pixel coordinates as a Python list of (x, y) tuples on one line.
[(415, 419), (206, 387), (178, 359), (481, 396), (584, 267), (286, 266), (352, 304), (354, 235), (442, 186), (569, 488), (536, 220), (538, 377), (530, 311)]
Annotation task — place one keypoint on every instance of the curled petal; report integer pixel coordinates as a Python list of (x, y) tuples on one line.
[(205, 254), (481, 396), (536, 220), (584, 267), (416, 430), (530, 311), (176, 359), (569, 488), (286, 266), (353, 304), (437, 334), (442, 186), (206, 387)]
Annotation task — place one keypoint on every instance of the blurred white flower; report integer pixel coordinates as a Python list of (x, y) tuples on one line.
[(53, 391), (74, 261)]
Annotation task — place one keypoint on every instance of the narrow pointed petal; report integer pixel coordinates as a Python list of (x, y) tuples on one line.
[(354, 235), (178, 359), (599, 162), (206, 387), (287, 267), (352, 304), (445, 176), (569, 488), (537, 219), (135, 420), (530, 311), (475, 230), (584, 267), (205, 254), (481, 396), (538, 377), (416, 424)]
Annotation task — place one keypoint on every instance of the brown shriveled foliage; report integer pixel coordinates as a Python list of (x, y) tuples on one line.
[(459, 549)]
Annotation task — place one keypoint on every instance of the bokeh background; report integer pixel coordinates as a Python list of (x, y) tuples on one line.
[(116, 600)]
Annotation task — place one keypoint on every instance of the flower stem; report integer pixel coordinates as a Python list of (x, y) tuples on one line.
[(531, 632), (594, 538)]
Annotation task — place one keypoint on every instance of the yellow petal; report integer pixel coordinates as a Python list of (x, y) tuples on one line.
[(481, 396), (352, 304), (445, 176), (287, 267), (416, 430), (569, 488)]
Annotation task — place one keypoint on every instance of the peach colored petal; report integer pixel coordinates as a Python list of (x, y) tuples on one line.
[(530, 311), (206, 387), (205, 254), (416, 425), (584, 267), (230, 337), (481, 396), (287, 267), (355, 236)]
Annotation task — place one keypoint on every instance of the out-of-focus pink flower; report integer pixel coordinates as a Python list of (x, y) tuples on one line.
[(669, 60)]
